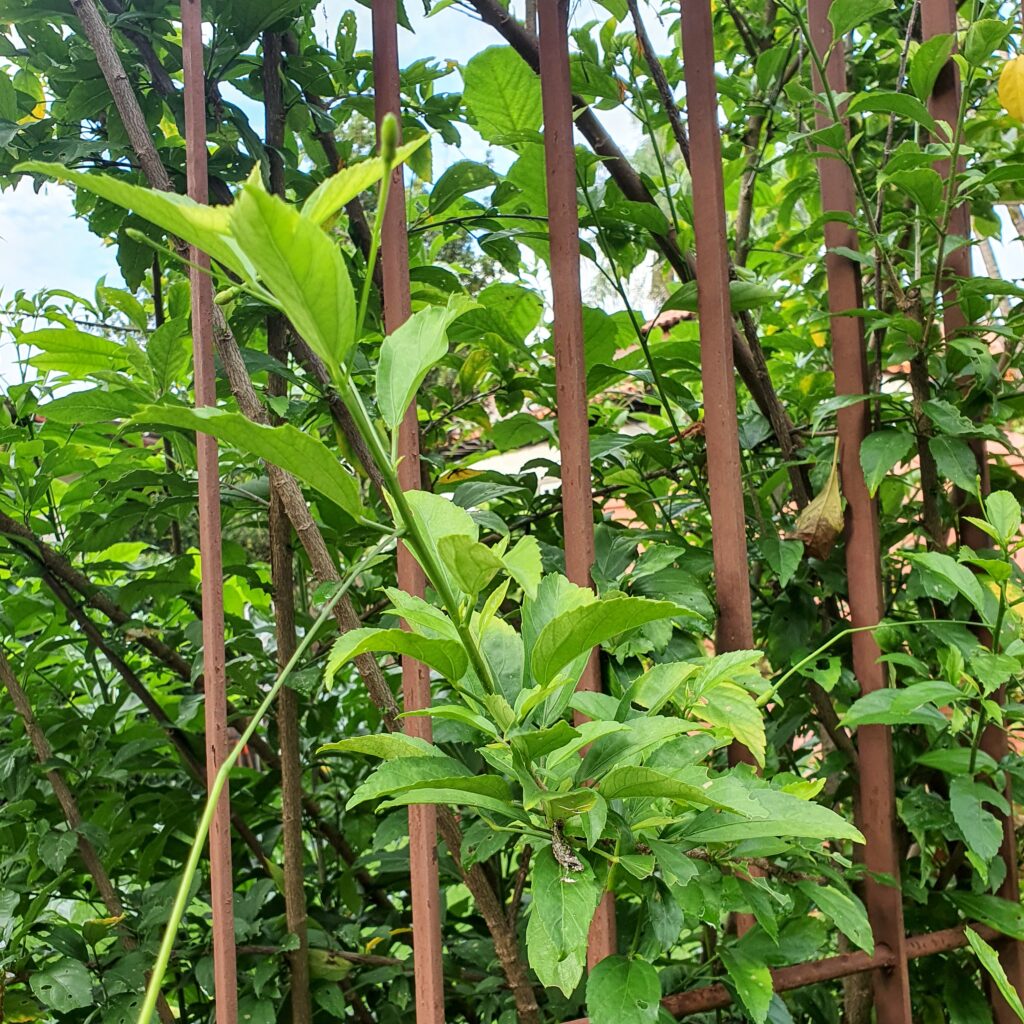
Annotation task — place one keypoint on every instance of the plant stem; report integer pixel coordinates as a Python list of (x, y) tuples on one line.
[(181, 899)]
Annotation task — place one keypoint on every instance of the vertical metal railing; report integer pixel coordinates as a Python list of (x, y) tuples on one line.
[(734, 629), (938, 17), (426, 901), (877, 797), (570, 364), (214, 672)]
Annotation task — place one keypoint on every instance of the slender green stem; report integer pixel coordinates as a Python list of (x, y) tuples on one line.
[(415, 535), (371, 259), (181, 899), (771, 692)]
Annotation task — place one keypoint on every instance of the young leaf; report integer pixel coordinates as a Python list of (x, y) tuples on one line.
[(205, 227), (409, 353), (340, 188), (752, 980), (984, 37), (623, 991), (446, 657), (846, 911), (472, 565), (989, 959), (574, 632), (293, 450), (563, 905), (523, 564), (1002, 510), (302, 268), (731, 709)]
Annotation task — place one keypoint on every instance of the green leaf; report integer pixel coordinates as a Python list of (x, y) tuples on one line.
[(523, 564), (783, 557), (462, 177), (446, 657), (922, 184), (1002, 510), (387, 746), (293, 450), (689, 787), (879, 452), (846, 911), (440, 517), (74, 352), (465, 794), (1006, 916), (472, 565), (326, 965), (929, 59), (580, 629), (640, 736), (785, 816), (337, 190), (656, 687), (956, 575), (982, 831), (902, 706), (562, 908), (94, 406), (63, 986), (169, 353), (956, 462), (732, 710), (623, 991), (502, 94), (409, 353), (393, 777), (901, 104), (303, 269), (206, 227), (984, 37), (989, 959), (752, 980)]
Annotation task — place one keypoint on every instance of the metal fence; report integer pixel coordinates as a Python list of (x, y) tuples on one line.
[(549, 54)]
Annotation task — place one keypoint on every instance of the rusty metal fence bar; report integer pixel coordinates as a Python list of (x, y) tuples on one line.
[(876, 806), (570, 364), (423, 869), (214, 670), (938, 17)]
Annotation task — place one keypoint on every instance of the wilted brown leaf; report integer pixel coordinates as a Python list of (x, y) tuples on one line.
[(820, 524)]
